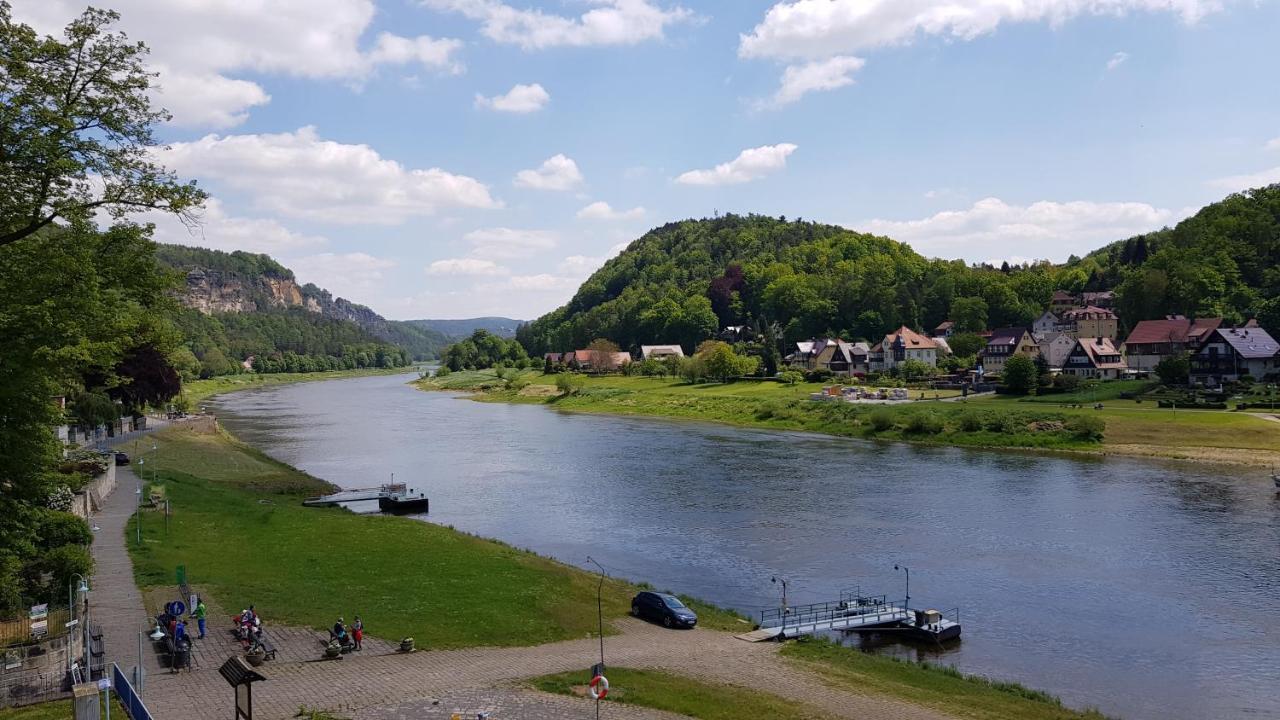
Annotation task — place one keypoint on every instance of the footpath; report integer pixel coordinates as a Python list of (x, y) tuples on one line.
[(381, 684)]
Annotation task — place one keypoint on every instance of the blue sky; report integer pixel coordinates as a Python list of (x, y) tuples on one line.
[(451, 158)]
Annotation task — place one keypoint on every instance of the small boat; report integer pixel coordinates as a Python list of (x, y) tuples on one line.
[(403, 500)]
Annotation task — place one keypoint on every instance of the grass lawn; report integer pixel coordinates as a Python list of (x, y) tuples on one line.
[(199, 390), (1038, 422), (935, 686), (56, 710), (673, 693), (239, 528)]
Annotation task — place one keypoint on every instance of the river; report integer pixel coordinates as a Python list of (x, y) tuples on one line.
[(1146, 589)]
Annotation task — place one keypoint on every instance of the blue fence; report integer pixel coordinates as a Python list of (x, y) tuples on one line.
[(129, 698)]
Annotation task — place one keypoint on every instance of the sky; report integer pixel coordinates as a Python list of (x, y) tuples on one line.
[(458, 158)]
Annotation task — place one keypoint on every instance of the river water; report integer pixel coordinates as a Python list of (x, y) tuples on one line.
[(1146, 589)]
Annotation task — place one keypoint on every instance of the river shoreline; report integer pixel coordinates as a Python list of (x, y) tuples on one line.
[(537, 394)]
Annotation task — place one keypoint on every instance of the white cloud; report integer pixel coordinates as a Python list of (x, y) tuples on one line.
[(751, 164), (1048, 230), (1236, 183), (1272, 144), (1117, 60), (609, 22), (543, 282), (218, 230), (300, 175), (823, 28), (466, 266), (558, 172), (503, 243), (816, 76), (519, 99), (350, 275), (197, 46), (601, 210)]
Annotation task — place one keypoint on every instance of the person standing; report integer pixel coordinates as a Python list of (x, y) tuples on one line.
[(357, 632), (200, 613)]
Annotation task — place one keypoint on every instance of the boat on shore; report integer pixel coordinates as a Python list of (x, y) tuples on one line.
[(392, 498)]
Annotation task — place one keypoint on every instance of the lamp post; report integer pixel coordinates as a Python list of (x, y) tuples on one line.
[(906, 570), (137, 513), (600, 618), (84, 617), (776, 580)]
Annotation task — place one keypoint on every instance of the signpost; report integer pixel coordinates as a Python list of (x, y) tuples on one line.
[(39, 620)]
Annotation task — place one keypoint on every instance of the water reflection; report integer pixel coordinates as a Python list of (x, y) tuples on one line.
[(1147, 589)]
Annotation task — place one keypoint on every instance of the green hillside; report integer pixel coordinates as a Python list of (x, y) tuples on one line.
[(685, 280)]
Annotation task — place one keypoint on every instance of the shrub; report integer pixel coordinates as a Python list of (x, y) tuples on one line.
[(790, 377), (881, 420), (999, 423), (1019, 375), (970, 422), (443, 371), (819, 375), (1087, 427), (569, 384), (925, 423)]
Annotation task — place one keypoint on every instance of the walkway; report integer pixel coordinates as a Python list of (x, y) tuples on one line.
[(380, 684)]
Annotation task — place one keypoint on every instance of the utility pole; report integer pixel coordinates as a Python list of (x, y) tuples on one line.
[(600, 618)]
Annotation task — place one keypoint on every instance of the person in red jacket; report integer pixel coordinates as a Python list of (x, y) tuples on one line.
[(357, 632)]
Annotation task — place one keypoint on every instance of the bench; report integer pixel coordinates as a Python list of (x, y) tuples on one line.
[(268, 647), (97, 653)]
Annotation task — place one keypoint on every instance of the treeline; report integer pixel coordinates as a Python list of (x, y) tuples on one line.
[(238, 263), (280, 340)]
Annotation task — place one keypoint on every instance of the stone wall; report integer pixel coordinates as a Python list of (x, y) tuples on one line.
[(89, 500)]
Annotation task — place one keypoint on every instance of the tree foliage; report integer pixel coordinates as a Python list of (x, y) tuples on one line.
[(1019, 375), (76, 128), (484, 350)]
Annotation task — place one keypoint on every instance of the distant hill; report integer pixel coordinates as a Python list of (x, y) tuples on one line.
[(239, 305), (500, 326)]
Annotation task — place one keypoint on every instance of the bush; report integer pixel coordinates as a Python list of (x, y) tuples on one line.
[(819, 375), (790, 377), (970, 422), (999, 423), (1019, 375), (569, 384), (881, 420), (443, 371), (1087, 427), (925, 423)]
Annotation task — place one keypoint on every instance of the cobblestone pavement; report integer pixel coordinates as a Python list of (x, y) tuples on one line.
[(381, 684)]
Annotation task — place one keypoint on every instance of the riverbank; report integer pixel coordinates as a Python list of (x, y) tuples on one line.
[(239, 529), (1121, 427), (197, 391)]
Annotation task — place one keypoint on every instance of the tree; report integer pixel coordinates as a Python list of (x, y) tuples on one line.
[(76, 128), (602, 353), (969, 314), (1019, 374), (916, 369), (1174, 370), (966, 343)]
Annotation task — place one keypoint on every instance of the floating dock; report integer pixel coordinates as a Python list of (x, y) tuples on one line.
[(856, 614), (390, 498)]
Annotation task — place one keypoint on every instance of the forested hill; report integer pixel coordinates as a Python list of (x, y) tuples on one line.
[(1222, 261), (453, 329), (683, 281), (239, 305)]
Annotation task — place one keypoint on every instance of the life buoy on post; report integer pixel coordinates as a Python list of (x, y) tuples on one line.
[(599, 687)]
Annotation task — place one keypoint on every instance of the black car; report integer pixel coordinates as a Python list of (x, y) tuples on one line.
[(122, 458), (663, 608)]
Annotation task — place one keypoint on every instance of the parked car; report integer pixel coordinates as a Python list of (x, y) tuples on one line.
[(122, 458), (664, 608)]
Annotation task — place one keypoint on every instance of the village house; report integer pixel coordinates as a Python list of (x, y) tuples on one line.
[(838, 356), (1061, 302), (900, 346), (1055, 348), (1046, 323), (1227, 354), (1094, 357), (945, 329), (1154, 340), (1004, 344), (553, 358), (1104, 299), (597, 361), (658, 352), (1090, 322)]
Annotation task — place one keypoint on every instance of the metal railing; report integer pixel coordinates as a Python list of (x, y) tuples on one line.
[(27, 688), (129, 698), (857, 606)]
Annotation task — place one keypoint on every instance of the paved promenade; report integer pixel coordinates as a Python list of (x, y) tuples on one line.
[(380, 684)]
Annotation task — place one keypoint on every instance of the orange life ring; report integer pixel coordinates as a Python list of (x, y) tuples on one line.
[(599, 687)]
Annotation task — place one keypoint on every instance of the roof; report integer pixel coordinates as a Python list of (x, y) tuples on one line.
[(236, 672), (1091, 312), (1047, 314), (1172, 329), (1251, 343), (1097, 347), (1059, 295), (1007, 336), (553, 357), (1089, 297), (944, 326), (911, 339), (943, 345), (1201, 327), (647, 350)]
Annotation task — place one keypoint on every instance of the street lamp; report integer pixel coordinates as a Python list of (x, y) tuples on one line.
[(777, 580), (84, 617), (600, 617), (138, 512), (906, 570)]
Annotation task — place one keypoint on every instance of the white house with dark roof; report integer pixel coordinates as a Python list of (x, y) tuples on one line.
[(1095, 357), (658, 352), (1229, 354)]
